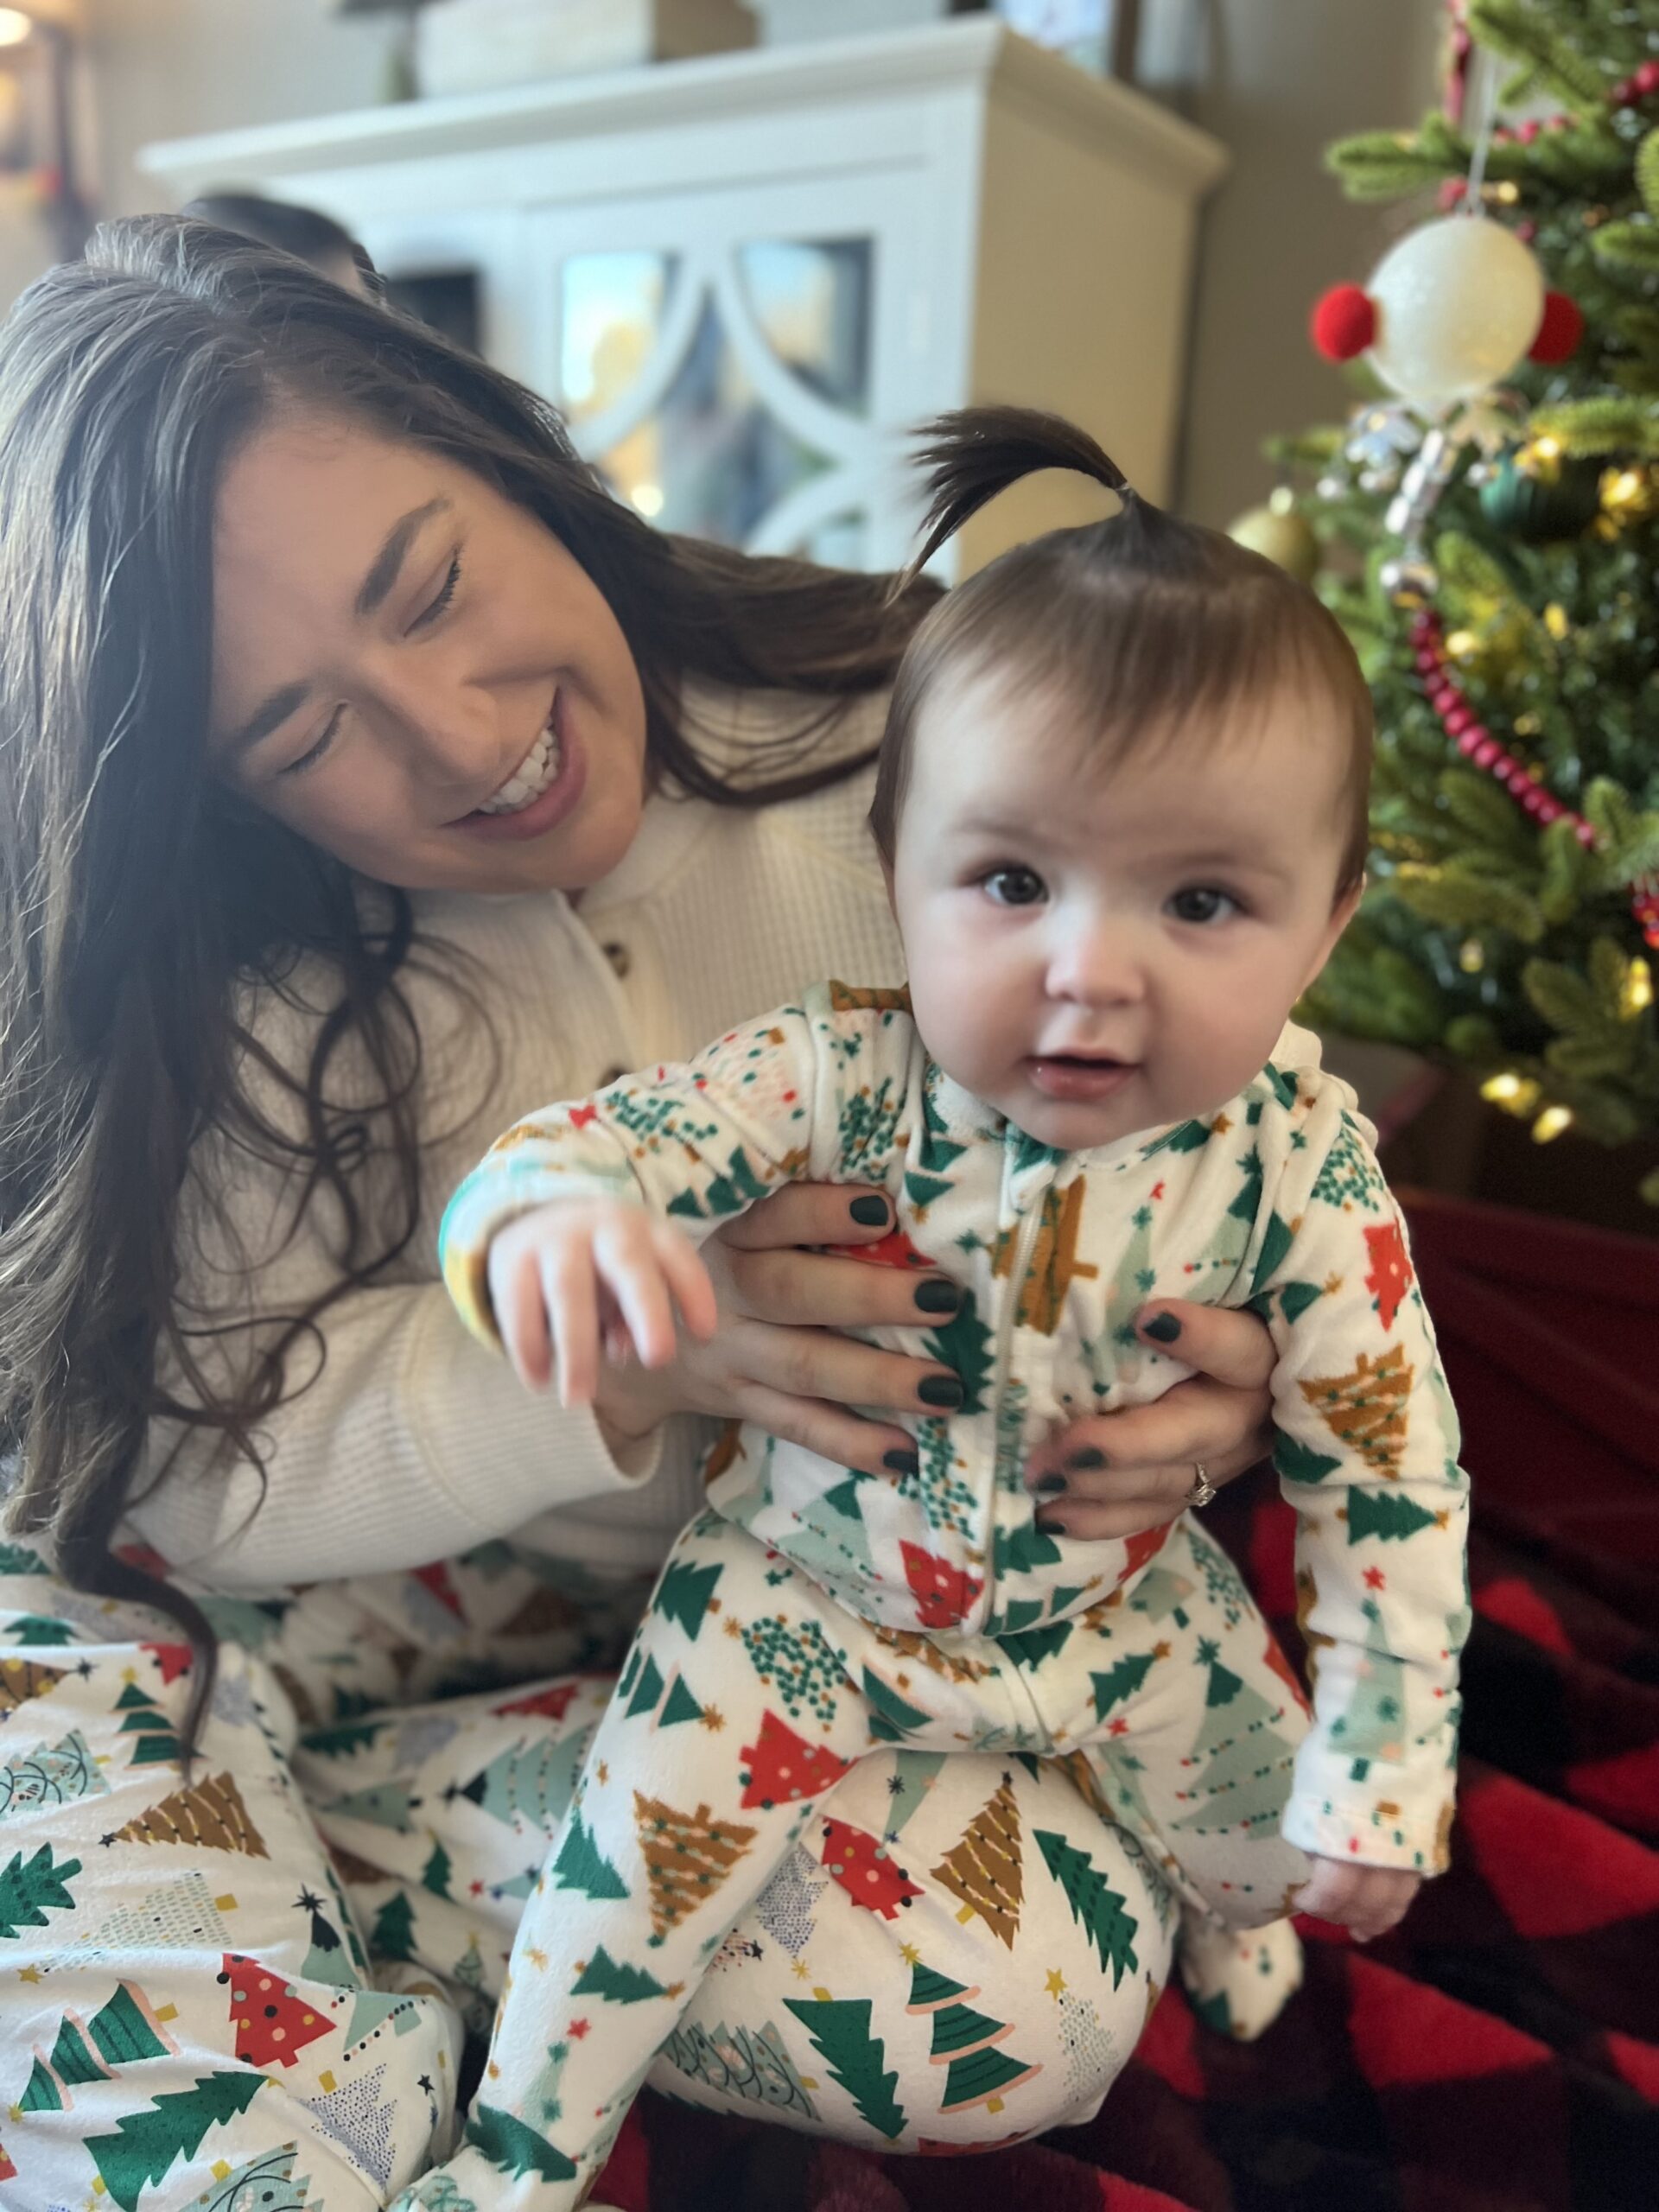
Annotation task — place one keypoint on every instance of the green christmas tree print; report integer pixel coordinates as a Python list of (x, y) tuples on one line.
[(968, 1348), (33, 1629), (1374, 1726), (1159, 1595), (1389, 1515), (529, 1782), (1134, 1280), (1245, 1780), (683, 1594), (1123, 1681), (1098, 1909), (384, 1804), (935, 1154), (950, 1503), (893, 1718), (582, 1866), (840, 2029), (30, 1889), (514, 2148), (393, 1936), (1296, 1462), (434, 1875), (147, 2145), (727, 1194), (1023, 1549), (806, 1672), (602, 1976), (964, 2042), (145, 1719)]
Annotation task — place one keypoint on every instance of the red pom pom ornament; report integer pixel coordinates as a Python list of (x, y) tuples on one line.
[(1343, 322), (1560, 331)]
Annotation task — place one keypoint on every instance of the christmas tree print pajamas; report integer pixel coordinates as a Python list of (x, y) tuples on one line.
[(813, 1615)]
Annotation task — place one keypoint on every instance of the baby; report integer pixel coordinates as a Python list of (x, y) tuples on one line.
[(1121, 806)]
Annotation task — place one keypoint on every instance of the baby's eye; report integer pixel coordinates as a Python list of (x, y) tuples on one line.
[(1015, 886), (1201, 903)]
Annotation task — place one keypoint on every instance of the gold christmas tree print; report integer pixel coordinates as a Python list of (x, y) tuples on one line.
[(21, 1679), (983, 1869), (687, 1855), (1054, 1265), (1366, 1409), (209, 1813)]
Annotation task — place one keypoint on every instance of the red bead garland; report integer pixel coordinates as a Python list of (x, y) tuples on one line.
[(1477, 744)]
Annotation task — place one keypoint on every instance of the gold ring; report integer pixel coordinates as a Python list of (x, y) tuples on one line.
[(1203, 1489)]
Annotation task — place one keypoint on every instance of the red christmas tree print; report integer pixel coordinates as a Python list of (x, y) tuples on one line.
[(1281, 1666), (435, 1578), (272, 2024), (1145, 1545), (173, 1659), (782, 1767), (944, 1593), (553, 1703), (1389, 1276), (862, 1865), (892, 1251)]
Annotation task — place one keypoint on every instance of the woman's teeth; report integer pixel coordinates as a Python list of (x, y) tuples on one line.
[(540, 767)]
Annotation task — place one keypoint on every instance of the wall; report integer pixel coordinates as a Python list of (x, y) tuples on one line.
[(1275, 81)]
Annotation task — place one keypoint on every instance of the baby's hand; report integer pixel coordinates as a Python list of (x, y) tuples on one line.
[(1367, 1899), (566, 1273)]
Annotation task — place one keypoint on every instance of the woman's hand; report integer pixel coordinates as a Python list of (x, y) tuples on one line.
[(778, 1358), (1116, 1474)]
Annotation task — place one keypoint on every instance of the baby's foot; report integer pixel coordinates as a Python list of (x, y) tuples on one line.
[(1239, 1979)]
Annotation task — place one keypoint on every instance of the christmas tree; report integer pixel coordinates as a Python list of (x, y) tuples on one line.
[(270, 2023), (983, 1869), (1374, 1726), (147, 2144), (965, 2041), (210, 1813), (1096, 1907), (840, 2029), (1243, 1781), (780, 1766), (688, 1856), (1495, 565), (31, 1888)]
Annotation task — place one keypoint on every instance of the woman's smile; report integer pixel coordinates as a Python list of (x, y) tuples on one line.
[(543, 789)]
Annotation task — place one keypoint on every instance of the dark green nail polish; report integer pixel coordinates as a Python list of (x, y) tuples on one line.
[(902, 1463), (1087, 1460), (936, 1297), (1163, 1328), (1049, 1485), (940, 1390), (869, 1213), (1050, 1526)]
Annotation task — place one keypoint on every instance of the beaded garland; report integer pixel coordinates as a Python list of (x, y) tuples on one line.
[(1465, 728)]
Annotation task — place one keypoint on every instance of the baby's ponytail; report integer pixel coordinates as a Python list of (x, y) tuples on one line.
[(969, 457)]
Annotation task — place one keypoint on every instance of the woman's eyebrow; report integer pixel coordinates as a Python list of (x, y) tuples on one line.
[(383, 574), (390, 559)]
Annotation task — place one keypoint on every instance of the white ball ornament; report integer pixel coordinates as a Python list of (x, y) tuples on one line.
[(1449, 312), (1458, 304)]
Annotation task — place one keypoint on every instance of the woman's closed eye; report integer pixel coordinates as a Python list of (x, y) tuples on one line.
[(435, 606), (1202, 905), (1013, 886), (313, 753)]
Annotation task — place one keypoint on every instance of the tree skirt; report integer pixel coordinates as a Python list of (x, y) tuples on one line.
[(1500, 2051)]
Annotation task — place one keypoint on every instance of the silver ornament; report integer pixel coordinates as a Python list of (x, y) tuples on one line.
[(1408, 579)]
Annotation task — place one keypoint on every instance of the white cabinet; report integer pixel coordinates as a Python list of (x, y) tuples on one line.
[(744, 278)]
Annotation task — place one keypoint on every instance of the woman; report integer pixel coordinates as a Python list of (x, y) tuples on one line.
[(369, 773)]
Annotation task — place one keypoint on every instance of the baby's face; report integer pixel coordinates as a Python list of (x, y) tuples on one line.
[(1096, 952)]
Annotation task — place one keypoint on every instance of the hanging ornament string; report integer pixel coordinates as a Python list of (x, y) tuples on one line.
[(1465, 730)]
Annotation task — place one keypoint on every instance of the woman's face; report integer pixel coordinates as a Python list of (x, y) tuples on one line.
[(413, 673)]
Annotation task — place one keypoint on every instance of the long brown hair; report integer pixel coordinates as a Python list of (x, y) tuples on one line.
[(139, 902), (1139, 624)]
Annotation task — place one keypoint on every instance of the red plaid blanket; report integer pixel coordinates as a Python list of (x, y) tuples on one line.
[(1500, 2051)]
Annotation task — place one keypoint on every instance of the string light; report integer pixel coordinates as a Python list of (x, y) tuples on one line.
[(15, 26), (1502, 1090), (1472, 956), (1637, 994), (1550, 1124)]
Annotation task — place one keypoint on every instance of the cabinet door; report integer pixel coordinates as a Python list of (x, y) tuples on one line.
[(738, 362)]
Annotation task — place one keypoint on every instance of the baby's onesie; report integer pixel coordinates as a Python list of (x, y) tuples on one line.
[(931, 1609)]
